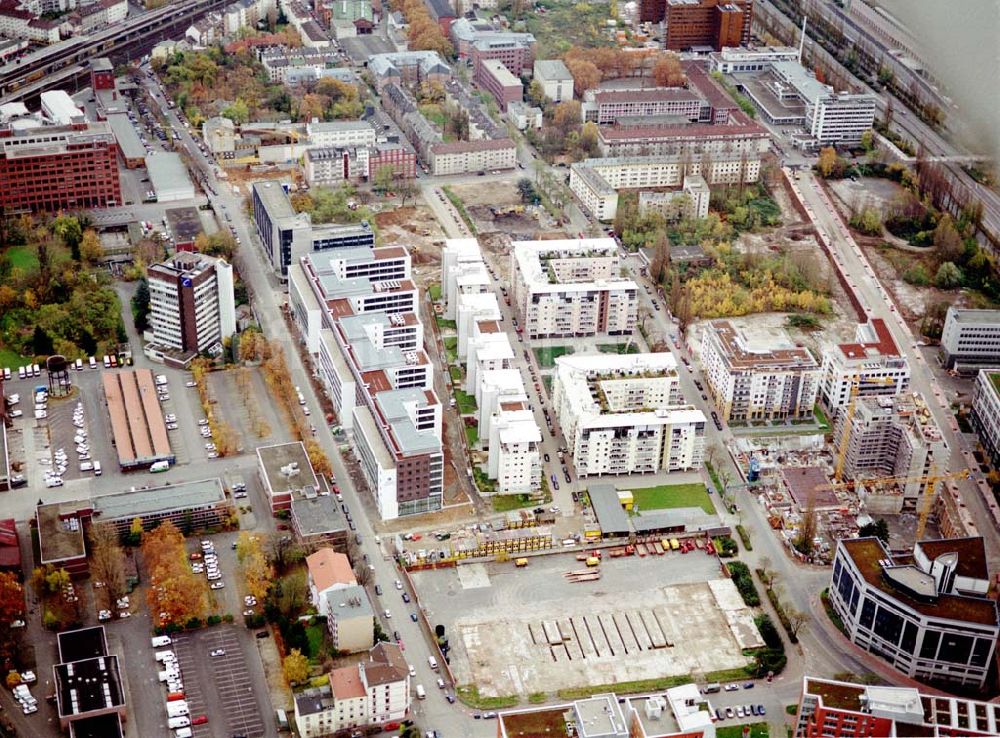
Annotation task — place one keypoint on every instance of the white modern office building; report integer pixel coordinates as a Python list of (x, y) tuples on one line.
[(572, 288), (970, 338), (986, 412), (758, 375), (927, 614), (624, 414)]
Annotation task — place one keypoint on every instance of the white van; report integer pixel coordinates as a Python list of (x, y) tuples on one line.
[(183, 733), (21, 373), (177, 709), (161, 379), (36, 370), (160, 641), (86, 466), (421, 694), (93, 362), (178, 722), (97, 468), (165, 656), (433, 662), (160, 466)]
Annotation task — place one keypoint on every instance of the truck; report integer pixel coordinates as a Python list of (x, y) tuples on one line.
[(520, 563), (159, 466), (593, 561)]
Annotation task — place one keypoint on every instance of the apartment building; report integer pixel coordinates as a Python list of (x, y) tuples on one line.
[(350, 618), (341, 133), (555, 78), (690, 201), (740, 59), (872, 363), (327, 570), (739, 135), (46, 168), (597, 182), (493, 77), (293, 66), (465, 157), (246, 14), (892, 436), (758, 375), (607, 107), (369, 355), (401, 159), (567, 288), (516, 51), (924, 613), (625, 415), (515, 449), (986, 412), (407, 67), (373, 692), (330, 166), (970, 338), (700, 23), (18, 22), (832, 709), (192, 305)]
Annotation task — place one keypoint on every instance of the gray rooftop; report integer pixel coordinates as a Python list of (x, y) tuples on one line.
[(275, 200), (804, 82), (312, 701), (963, 315), (676, 518), (393, 404), (315, 516), (349, 602), (182, 496), (125, 135), (167, 172), (611, 516), (273, 458), (552, 69)]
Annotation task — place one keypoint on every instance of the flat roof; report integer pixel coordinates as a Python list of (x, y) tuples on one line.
[(599, 716), (317, 516), (804, 484), (973, 316), (553, 69), (500, 73), (611, 516), (185, 223), (83, 643), (97, 726), (281, 455), (140, 434), (142, 502), (167, 173), (125, 135), (88, 685), (674, 518), (275, 200), (868, 555), (60, 531), (971, 554), (756, 349), (350, 602)]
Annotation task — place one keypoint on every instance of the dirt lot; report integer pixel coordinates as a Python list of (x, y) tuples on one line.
[(238, 403), (418, 230)]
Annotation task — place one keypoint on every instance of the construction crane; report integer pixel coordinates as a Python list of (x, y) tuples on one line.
[(924, 505), (845, 434)]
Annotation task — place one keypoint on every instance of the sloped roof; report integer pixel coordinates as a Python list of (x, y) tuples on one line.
[(328, 568)]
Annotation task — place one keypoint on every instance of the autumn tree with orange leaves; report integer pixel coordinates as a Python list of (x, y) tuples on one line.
[(175, 591)]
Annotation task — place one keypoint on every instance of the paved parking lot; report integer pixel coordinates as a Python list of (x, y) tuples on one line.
[(221, 686)]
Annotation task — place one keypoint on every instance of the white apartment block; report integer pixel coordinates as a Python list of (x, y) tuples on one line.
[(489, 349), (326, 166), (465, 157), (246, 14), (734, 60), (625, 415), (986, 412), (492, 388), (691, 201), (476, 313), (926, 615), (970, 338), (514, 449), (759, 375), (572, 288), (192, 305), (892, 437), (872, 361), (555, 79), (462, 272), (340, 133), (596, 182)]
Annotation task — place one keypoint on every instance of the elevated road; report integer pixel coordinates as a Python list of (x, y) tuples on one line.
[(47, 68)]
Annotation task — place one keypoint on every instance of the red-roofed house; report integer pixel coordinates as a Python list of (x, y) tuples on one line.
[(328, 570), (872, 360)]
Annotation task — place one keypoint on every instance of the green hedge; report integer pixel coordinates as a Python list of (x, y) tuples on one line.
[(780, 610), (741, 577), (744, 535)]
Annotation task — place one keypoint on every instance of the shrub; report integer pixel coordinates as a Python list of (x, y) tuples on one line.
[(228, 617), (213, 620), (917, 275), (193, 624), (745, 537), (726, 547), (768, 632), (740, 574)]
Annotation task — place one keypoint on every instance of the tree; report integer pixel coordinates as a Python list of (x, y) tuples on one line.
[(829, 163), (660, 264), (529, 196), (13, 679), (384, 176), (948, 276), (536, 93), (295, 667), (406, 189), (176, 593), (586, 75), (41, 342), (256, 569), (106, 558), (135, 532), (877, 528), (363, 574), (807, 530), (283, 551), (947, 240), (11, 598), (68, 228), (766, 572), (796, 619), (567, 116), (140, 305), (868, 141), (667, 71), (90, 247), (57, 580), (238, 112), (868, 221)]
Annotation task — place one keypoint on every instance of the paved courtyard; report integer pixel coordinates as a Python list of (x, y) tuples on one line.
[(518, 631)]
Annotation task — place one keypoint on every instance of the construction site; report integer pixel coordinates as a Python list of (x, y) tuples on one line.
[(616, 620)]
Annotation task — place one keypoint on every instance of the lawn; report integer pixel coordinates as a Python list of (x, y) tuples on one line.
[(466, 402), (757, 730), (11, 359), (445, 323), (23, 258), (456, 373), (451, 348), (673, 495), (821, 418), (567, 24), (471, 435), (506, 503), (315, 634), (546, 355), (435, 290), (547, 384), (618, 348), (538, 723)]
